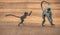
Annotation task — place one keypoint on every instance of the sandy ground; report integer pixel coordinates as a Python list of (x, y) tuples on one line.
[(30, 29), (32, 25)]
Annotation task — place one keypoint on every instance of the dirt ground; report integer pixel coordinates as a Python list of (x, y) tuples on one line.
[(32, 24), (30, 29)]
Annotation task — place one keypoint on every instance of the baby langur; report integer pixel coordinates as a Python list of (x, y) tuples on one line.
[(46, 13), (21, 17)]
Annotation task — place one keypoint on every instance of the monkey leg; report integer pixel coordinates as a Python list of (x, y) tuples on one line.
[(43, 20), (50, 20), (22, 20)]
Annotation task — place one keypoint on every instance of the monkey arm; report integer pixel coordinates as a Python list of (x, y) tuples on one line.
[(12, 15), (29, 13)]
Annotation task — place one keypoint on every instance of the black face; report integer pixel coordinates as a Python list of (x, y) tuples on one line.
[(48, 9), (26, 13)]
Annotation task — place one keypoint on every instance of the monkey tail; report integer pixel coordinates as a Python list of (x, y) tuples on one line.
[(42, 3), (12, 15)]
